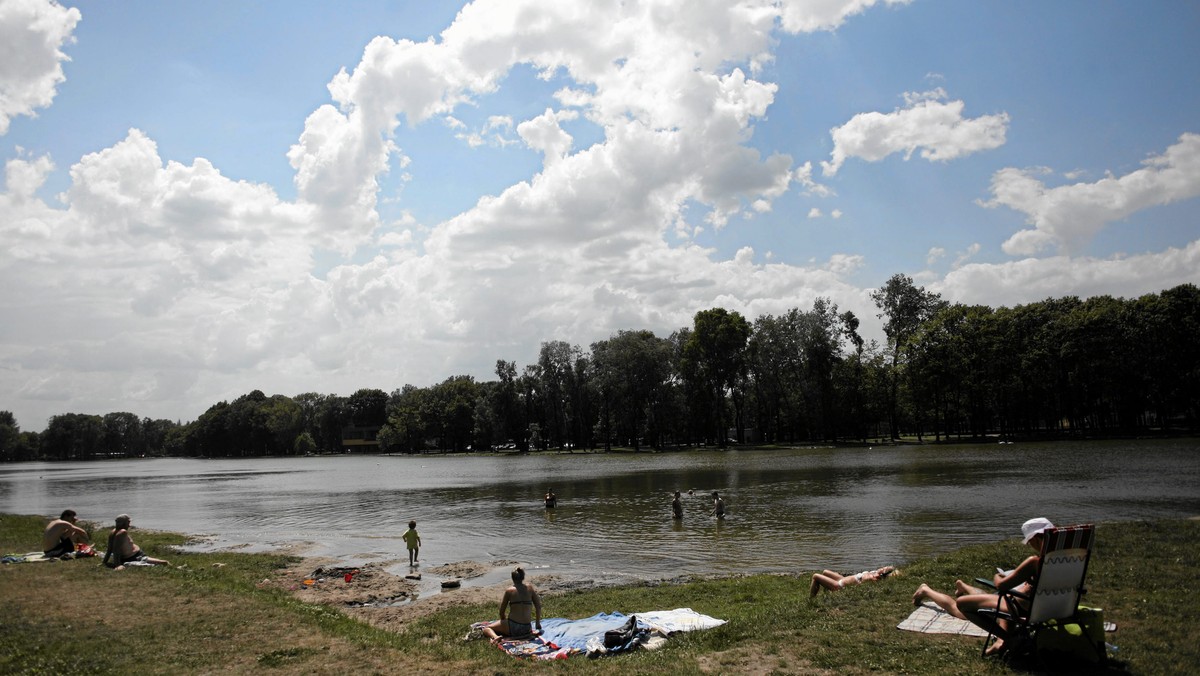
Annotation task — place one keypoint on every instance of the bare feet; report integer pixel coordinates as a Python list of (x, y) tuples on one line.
[(962, 588), (921, 593), (995, 647)]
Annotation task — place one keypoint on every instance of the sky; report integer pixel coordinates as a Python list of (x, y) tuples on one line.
[(204, 199)]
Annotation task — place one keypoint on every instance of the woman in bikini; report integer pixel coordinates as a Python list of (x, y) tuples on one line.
[(520, 611), (834, 581), (968, 600)]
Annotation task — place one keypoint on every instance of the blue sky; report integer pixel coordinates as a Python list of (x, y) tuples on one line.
[(204, 199)]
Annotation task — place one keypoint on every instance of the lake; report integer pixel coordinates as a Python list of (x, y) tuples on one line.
[(788, 510)]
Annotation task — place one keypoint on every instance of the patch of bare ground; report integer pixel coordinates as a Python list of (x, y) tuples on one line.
[(467, 569), (753, 662), (390, 601), (321, 581)]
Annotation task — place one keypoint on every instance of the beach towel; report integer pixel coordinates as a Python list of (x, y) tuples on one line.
[(930, 619), (575, 633), (562, 637), (680, 619), (31, 557), (528, 647), (81, 551)]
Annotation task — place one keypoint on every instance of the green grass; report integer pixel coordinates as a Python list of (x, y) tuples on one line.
[(78, 617)]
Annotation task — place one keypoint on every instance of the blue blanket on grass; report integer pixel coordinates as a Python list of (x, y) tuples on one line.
[(561, 637)]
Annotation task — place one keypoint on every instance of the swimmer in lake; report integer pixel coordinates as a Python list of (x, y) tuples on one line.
[(677, 507), (718, 506)]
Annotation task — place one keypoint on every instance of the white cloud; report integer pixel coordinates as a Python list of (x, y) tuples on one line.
[(1068, 216), (845, 264), (496, 132), (934, 255), (179, 287), (24, 177), (32, 34), (807, 16), (544, 135), (814, 213), (163, 287), (935, 127), (966, 255), (1033, 279), (803, 176)]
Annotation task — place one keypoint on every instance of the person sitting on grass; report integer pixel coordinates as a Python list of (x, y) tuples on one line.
[(61, 536), (520, 611), (968, 601), (834, 581), (123, 550)]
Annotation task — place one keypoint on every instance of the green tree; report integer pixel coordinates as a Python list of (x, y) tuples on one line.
[(716, 353), (555, 372), (123, 435), (156, 435), (632, 372), (284, 419), (775, 361), (368, 407), (210, 434), (73, 436), (246, 424), (1167, 325), (405, 430), (304, 444), (323, 416), (904, 306), (450, 412), (15, 444)]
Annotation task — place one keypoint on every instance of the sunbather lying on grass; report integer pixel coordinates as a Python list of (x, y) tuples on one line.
[(834, 581)]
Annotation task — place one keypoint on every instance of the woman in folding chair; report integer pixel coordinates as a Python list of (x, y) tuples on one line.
[(968, 601)]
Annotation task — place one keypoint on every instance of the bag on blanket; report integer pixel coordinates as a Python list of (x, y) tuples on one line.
[(615, 638)]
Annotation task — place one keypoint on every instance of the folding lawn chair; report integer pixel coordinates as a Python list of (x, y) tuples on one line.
[(1054, 599)]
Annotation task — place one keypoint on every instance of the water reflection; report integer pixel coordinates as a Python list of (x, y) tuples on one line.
[(787, 510)]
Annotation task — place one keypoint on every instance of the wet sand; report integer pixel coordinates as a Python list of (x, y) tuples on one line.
[(383, 594)]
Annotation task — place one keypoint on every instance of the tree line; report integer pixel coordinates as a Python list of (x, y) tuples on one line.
[(947, 371)]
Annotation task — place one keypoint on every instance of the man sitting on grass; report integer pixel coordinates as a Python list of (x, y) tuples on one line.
[(122, 550), (61, 535)]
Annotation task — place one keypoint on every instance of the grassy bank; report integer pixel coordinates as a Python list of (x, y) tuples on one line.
[(212, 615)]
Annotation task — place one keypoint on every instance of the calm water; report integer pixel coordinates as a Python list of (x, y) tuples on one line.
[(792, 510)]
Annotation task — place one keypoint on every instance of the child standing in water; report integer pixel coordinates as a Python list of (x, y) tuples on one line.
[(414, 543)]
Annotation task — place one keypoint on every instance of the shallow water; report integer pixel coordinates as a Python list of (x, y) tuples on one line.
[(798, 509)]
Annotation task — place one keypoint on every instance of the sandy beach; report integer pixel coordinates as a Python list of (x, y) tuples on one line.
[(382, 598)]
